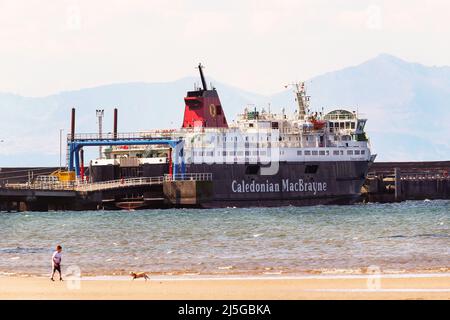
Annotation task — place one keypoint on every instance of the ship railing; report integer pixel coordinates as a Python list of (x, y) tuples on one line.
[(121, 136), (118, 136)]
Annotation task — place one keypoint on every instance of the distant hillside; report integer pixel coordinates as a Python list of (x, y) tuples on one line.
[(407, 104)]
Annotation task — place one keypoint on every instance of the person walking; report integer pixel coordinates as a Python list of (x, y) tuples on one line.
[(56, 262)]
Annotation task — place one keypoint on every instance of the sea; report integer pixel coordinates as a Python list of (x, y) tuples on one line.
[(412, 236)]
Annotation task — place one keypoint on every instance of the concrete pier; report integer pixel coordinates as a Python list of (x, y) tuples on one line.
[(191, 190), (188, 193)]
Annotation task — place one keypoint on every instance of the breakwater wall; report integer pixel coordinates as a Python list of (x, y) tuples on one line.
[(400, 181)]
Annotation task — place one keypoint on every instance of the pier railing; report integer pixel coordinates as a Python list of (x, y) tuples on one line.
[(189, 176), (119, 183), (411, 176), (85, 186), (424, 176)]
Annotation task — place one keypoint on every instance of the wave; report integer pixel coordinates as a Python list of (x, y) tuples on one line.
[(20, 250), (423, 235)]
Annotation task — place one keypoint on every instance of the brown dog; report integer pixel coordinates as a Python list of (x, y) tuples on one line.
[(136, 275)]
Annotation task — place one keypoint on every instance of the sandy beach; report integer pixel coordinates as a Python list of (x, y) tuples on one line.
[(432, 286)]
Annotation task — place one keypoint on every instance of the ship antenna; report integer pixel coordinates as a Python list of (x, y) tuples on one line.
[(200, 68), (301, 98)]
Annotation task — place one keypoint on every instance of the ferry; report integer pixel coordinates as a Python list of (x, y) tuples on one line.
[(259, 159)]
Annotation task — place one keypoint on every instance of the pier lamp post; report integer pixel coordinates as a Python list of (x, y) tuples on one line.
[(100, 113)]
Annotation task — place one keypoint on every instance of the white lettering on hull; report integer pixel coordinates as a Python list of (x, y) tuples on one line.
[(286, 186)]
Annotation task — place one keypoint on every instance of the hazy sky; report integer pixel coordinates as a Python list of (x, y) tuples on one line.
[(259, 45)]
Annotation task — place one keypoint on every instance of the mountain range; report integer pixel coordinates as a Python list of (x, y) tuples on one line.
[(407, 106)]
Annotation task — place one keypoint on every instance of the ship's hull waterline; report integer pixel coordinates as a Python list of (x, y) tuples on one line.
[(242, 185)]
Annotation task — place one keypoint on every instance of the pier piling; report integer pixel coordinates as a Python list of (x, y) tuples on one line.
[(398, 184)]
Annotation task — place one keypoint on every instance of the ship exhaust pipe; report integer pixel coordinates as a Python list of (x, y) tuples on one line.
[(202, 77), (116, 112)]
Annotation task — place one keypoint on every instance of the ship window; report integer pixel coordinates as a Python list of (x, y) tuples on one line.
[(350, 152), (299, 152), (347, 125), (252, 169), (353, 125), (224, 153), (336, 152), (240, 153), (250, 125), (315, 153), (363, 151), (341, 125), (274, 125), (322, 153), (307, 153), (262, 153), (311, 169), (357, 152)]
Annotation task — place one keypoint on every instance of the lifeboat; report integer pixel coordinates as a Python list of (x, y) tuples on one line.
[(318, 124)]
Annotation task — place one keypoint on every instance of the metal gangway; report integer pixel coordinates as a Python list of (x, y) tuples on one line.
[(76, 143)]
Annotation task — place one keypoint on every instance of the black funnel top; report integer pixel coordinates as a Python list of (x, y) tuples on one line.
[(200, 67)]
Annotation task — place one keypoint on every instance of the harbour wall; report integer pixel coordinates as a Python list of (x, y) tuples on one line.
[(400, 181)]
